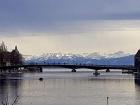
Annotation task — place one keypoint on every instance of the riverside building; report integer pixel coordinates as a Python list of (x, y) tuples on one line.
[(9, 58)]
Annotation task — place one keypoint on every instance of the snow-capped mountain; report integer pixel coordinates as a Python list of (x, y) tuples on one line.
[(94, 55), (118, 54), (117, 58)]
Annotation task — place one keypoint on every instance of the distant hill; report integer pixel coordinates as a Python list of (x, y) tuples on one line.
[(118, 58)]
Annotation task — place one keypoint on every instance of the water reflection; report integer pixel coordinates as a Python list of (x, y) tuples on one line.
[(9, 88), (137, 91), (67, 88)]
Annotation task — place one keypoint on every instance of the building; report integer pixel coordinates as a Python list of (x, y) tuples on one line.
[(137, 59), (8, 58)]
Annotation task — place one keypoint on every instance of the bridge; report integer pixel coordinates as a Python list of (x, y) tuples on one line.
[(73, 67)]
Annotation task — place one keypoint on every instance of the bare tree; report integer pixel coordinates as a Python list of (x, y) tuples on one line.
[(6, 101)]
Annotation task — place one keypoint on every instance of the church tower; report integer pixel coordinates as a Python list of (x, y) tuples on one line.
[(16, 49), (3, 48)]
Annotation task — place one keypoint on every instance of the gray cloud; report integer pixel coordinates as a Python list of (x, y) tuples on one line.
[(43, 14)]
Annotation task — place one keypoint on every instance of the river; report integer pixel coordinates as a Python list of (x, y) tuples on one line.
[(62, 87)]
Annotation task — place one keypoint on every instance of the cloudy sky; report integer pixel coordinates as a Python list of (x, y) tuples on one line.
[(70, 26)]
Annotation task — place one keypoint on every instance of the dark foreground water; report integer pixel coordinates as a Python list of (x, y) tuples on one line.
[(66, 88)]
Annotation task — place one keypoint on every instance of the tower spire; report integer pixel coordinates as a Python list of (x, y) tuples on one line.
[(3, 47), (16, 47)]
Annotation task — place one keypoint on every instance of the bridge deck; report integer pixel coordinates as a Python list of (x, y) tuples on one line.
[(70, 66)]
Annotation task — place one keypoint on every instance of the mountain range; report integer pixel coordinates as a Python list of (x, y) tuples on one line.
[(117, 58)]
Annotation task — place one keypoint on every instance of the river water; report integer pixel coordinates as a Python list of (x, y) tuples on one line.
[(61, 87)]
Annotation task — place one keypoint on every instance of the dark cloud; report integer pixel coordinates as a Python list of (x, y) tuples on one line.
[(41, 14)]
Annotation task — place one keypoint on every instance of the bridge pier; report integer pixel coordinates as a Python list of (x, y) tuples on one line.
[(73, 70), (41, 69), (96, 73), (37, 69), (107, 70)]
